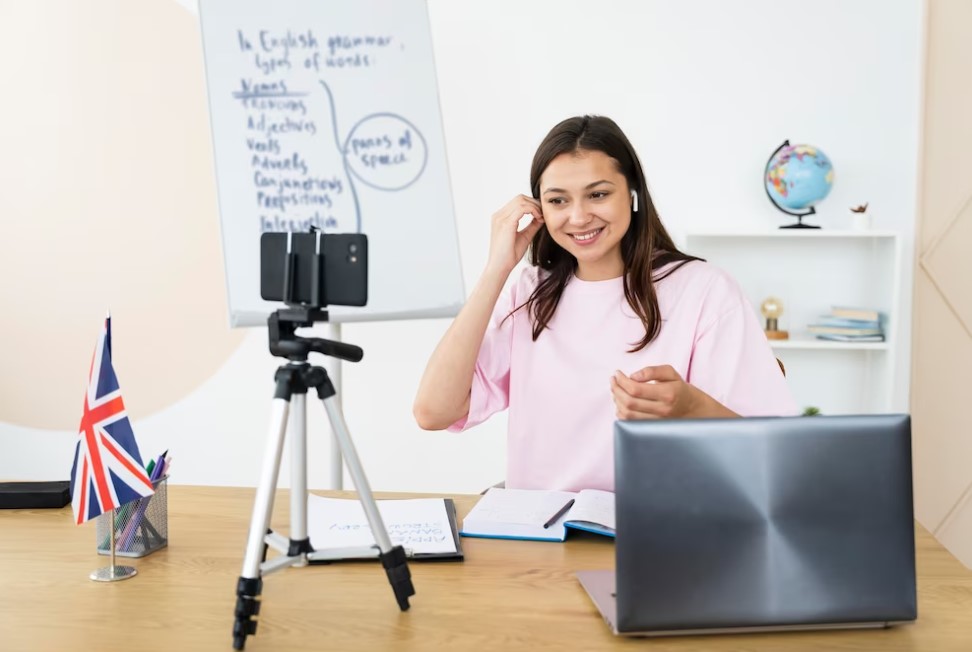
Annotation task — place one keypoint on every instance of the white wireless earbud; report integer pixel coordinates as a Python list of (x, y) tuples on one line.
[(634, 202)]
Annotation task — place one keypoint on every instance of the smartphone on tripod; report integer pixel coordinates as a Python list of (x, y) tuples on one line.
[(314, 269)]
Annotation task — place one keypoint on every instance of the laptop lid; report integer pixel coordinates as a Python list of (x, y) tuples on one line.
[(764, 522)]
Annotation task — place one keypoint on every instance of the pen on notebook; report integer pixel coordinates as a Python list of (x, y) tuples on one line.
[(560, 512)]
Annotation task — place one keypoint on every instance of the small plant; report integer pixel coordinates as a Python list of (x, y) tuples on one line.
[(811, 411), (861, 219)]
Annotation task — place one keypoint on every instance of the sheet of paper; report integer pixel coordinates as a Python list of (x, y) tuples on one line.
[(417, 524), (594, 506)]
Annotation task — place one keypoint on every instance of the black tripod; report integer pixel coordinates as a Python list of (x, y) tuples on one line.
[(293, 380)]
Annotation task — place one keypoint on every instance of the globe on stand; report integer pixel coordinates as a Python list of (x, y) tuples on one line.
[(798, 177), (772, 308)]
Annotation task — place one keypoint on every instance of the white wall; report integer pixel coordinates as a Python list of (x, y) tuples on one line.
[(706, 90)]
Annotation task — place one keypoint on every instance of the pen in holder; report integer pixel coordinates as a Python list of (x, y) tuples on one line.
[(141, 526)]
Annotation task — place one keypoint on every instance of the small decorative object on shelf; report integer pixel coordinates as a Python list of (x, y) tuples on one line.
[(772, 308), (796, 178), (860, 218), (810, 411)]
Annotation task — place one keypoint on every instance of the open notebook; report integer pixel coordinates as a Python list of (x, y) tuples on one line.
[(539, 515)]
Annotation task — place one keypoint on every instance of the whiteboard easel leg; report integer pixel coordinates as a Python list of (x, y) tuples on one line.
[(336, 468)]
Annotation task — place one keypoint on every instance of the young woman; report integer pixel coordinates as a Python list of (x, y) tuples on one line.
[(609, 321)]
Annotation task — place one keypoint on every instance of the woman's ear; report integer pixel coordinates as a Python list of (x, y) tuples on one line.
[(634, 201)]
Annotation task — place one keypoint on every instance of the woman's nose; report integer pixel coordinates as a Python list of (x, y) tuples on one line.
[(580, 214)]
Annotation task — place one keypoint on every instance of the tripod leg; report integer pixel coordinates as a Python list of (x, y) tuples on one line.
[(299, 543), (392, 558), (250, 584)]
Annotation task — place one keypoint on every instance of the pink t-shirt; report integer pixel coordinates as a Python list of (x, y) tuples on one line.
[(558, 390)]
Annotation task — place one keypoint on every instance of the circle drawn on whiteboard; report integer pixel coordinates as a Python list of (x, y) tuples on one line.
[(386, 151)]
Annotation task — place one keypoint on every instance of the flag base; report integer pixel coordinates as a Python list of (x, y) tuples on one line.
[(112, 573)]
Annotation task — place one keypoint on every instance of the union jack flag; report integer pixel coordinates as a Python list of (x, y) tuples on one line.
[(107, 470)]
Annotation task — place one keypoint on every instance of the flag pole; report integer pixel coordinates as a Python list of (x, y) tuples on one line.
[(112, 573)]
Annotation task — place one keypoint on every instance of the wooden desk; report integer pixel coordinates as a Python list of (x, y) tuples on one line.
[(508, 595)]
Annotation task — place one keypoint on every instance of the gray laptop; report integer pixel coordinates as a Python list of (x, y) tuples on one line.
[(760, 524)]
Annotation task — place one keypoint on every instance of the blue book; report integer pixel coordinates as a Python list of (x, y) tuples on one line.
[(852, 338), (818, 329), (843, 322), (539, 515)]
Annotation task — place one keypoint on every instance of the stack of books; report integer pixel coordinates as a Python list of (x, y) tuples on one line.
[(845, 324)]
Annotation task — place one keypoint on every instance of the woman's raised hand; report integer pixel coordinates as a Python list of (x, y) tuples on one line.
[(507, 245)]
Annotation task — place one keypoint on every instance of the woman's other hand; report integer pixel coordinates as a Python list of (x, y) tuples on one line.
[(659, 392)]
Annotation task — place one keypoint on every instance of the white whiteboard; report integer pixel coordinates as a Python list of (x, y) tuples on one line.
[(326, 113)]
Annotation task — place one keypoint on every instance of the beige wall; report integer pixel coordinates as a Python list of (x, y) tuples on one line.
[(942, 345), (108, 201)]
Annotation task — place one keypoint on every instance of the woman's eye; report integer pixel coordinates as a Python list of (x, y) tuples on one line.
[(556, 200), (598, 195)]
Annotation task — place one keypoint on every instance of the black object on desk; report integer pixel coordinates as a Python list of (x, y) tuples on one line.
[(33, 495)]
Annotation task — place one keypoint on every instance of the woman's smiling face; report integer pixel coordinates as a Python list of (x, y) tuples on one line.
[(587, 210)]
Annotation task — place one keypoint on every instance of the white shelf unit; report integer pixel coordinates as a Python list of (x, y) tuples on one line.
[(811, 271)]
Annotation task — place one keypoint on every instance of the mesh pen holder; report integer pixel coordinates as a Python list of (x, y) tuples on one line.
[(141, 526)]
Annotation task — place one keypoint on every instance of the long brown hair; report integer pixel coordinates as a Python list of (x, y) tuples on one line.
[(645, 247)]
